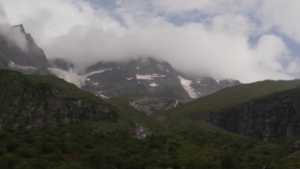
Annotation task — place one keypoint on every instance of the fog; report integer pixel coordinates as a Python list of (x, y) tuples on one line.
[(12, 35), (221, 38)]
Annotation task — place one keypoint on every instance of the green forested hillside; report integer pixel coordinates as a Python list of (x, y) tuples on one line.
[(229, 97), (47, 123)]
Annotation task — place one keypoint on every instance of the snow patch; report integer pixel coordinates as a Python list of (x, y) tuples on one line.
[(167, 70), (153, 85), (186, 84), (129, 78), (137, 67), (105, 97), (95, 84), (14, 66), (199, 81), (101, 95), (96, 72), (231, 80), (71, 77), (176, 103), (149, 77), (134, 105)]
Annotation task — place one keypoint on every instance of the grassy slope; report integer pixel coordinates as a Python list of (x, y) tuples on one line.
[(200, 137), (105, 145), (66, 89), (229, 97)]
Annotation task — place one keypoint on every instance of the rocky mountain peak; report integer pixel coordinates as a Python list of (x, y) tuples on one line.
[(138, 76), (108, 79), (32, 60), (28, 36), (21, 28)]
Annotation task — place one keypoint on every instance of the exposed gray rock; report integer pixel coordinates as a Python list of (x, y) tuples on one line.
[(31, 61), (141, 76), (150, 77), (141, 132), (150, 105)]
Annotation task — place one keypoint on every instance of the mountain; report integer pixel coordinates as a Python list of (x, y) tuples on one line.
[(31, 61), (36, 101), (144, 122), (229, 97), (138, 76), (47, 123), (109, 79), (270, 117)]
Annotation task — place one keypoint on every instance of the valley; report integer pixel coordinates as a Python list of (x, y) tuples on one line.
[(140, 114)]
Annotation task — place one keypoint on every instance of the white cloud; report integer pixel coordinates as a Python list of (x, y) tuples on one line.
[(171, 6), (282, 15), (14, 36), (218, 46)]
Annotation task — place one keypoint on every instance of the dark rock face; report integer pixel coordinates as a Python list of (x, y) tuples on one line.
[(266, 118), (11, 56), (140, 76), (35, 101), (150, 77)]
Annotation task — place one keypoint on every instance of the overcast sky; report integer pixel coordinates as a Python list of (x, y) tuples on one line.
[(249, 40)]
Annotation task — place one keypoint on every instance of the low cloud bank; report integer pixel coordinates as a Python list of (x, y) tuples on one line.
[(222, 39)]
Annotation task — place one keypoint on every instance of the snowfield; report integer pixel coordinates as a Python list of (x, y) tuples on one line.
[(148, 77), (71, 77), (14, 66), (186, 84), (153, 85)]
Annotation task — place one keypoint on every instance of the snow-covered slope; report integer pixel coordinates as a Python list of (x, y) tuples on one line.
[(148, 76), (186, 84), (71, 77)]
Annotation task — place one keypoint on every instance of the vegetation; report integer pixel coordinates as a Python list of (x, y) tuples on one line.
[(111, 144), (229, 97), (17, 80), (83, 146)]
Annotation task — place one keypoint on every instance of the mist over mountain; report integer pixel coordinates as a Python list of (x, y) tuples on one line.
[(204, 39), (162, 84)]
